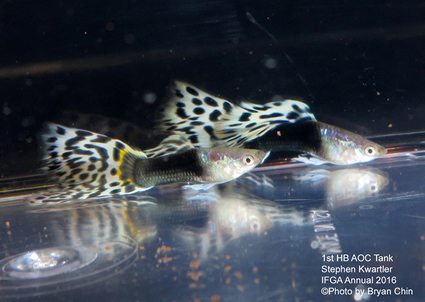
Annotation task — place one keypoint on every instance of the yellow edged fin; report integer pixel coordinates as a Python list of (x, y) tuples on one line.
[(85, 164)]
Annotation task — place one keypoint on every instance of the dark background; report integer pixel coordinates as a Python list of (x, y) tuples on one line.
[(359, 65)]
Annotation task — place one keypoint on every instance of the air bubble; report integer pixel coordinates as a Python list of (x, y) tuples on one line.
[(314, 244), (6, 109), (54, 269), (47, 262), (277, 98), (149, 97), (270, 63)]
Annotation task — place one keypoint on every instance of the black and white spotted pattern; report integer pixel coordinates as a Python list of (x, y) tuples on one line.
[(249, 121), (194, 114), (210, 121), (175, 143), (85, 164)]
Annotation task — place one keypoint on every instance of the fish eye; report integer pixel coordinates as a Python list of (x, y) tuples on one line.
[(373, 188), (248, 160), (370, 150)]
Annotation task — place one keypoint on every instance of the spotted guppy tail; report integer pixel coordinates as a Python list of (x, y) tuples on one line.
[(209, 121), (85, 164), (192, 113)]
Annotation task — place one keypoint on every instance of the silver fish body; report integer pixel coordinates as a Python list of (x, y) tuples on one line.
[(326, 142), (343, 147), (196, 165)]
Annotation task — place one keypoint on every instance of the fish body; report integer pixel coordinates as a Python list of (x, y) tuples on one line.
[(325, 142), (90, 165), (286, 125), (233, 215), (196, 165)]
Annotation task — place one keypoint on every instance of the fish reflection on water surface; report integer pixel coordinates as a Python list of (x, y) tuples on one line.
[(230, 212), (346, 186), (231, 216), (88, 224)]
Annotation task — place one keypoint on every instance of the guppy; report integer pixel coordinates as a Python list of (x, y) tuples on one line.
[(323, 142), (287, 125), (90, 165)]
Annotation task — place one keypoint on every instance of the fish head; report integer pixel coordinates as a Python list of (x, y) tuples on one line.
[(240, 214), (347, 148), (343, 147), (347, 186), (366, 150), (226, 164)]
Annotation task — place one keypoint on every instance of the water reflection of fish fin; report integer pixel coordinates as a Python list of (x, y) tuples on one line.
[(310, 160), (211, 195), (253, 179), (260, 185), (188, 234), (199, 187), (60, 195), (316, 175), (51, 208), (136, 199), (198, 239)]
